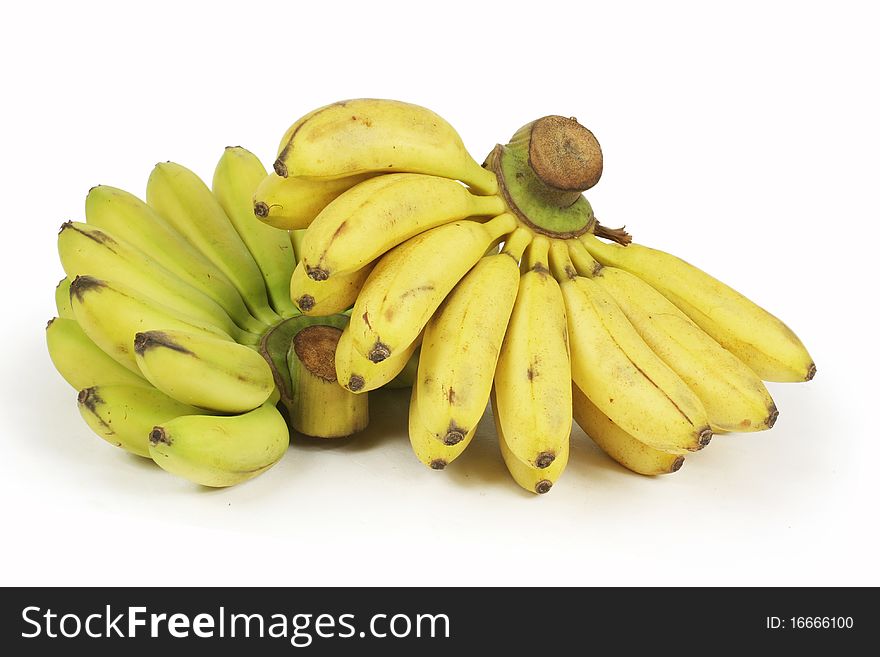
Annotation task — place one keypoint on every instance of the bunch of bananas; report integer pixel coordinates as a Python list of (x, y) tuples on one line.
[(176, 327), (502, 289)]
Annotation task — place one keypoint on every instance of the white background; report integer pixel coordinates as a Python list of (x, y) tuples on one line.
[(744, 139)]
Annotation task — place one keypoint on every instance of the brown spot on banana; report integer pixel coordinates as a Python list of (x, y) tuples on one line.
[(438, 464), (317, 273), (82, 284), (543, 486), (379, 352), (158, 435), (147, 340), (676, 464), (355, 382), (261, 209), (306, 302), (544, 459)]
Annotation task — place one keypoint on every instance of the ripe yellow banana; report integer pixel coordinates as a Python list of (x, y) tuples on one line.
[(462, 342), (183, 200), (132, 220), (204, 371), (292, 203), (112, 313), (410, 281), (377, 215), (533, 376), (62, 299), (533, 479), (618, 444), (221, 451), (124, 415), (369, 135), (80, 361), (430, 451), (357, 373), (618, 371), (328, 297), (734, 397), (89, 251), (236, 177), (742, 327)]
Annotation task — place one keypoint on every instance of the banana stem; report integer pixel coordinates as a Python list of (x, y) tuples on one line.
[(618, 235), (517, 243), (585, 264), (500, 225), (537, 254), (560, 262)]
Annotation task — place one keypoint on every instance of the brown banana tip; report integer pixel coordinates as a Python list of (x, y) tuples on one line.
[(453, 437), (544, 459), (774, 415), (64, 226), (705, 437), (676, 464), (543, 486), (356, 382), (317, 274), (158, 435), (280, 168), (438, 464), (261, 209), (88, 397), (306, 302), (379, 352), (50, 322), (811, 372)]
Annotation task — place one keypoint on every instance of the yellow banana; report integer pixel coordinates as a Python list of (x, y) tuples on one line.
[(430, 451), (62, 299), (734, 397), (181, 197), (410, 281), (292, 203), (462, 342), (124, 415), (221, 451), (132, 220), (87, 250), (377, 215), (533, 376), (618, 444), (618, 371), (742, 327), (111, 314), (236, 177), (326, 297), (357, 373), (533, 479), (204, 371), (370, 135), (80, 361)]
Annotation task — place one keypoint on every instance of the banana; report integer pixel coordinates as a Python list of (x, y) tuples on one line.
[(377, 215), (236, 177), (112, 313), (80, 361), (87, 250), (531, 478), (617, 443), (357, 373), (62, 299), (296, 238), (326, 297), (757, 338), (618, 371), (204, 371), (220, 451), (533, 375), (186, 203), (124, 415), (462, 342), (132, 220), (293, 203), (320, 407), (410, 281), (369, 135), (734, 397), (430, 451)]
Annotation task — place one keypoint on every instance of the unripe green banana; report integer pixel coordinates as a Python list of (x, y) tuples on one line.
[(236, 177), (204, 371), (80, 361), (181, 197), (220, 451), (377, 215), (131, 219), (369, 135), (62, 299), (292, 203), (111, 314), (124, 415)]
